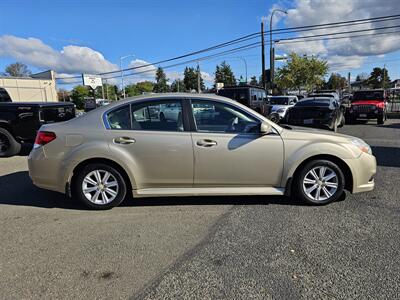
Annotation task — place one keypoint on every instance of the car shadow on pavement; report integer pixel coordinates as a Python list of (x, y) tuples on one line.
[(394, 125), (18, 189), (387, 156)]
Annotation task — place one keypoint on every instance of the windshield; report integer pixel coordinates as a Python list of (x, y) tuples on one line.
[(368, 95), (322, 95), (279, 100)]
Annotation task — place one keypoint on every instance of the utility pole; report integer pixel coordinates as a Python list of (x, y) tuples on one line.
[(271, 48), (264, 82), (198, 78), (122, 73), (383, 79)]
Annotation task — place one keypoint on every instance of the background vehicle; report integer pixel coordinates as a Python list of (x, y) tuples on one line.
[(19, 122), (317, 112), (368, 104), (324, 94), (218, 147), (280, 105), (250, 96)]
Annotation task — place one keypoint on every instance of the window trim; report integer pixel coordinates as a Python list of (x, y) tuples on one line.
[(185, 120), (193, 121)]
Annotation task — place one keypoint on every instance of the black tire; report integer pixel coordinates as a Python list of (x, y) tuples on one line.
[(381, 120), (299, 187), (8, 145), (342, 122), (77, 186)]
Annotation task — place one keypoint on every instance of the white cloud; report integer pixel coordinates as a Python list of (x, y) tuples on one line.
[(342, 54), (70, 60)]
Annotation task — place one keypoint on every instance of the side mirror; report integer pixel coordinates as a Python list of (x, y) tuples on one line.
[(265, 128)]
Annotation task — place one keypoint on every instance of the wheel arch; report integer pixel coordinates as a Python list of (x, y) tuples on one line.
[(348, 175), (97, 160)]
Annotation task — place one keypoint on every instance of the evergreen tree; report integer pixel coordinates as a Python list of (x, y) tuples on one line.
[(190, 79), (198, 76), (161, 85), (253, 80), (224, 74), (178, 86)]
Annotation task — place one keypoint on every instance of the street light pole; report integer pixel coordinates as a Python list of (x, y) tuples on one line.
[(245, 65), (271, 48), (122, 72)]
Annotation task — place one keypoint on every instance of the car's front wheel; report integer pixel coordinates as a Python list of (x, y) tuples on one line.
[(319, 182), (99, 186)]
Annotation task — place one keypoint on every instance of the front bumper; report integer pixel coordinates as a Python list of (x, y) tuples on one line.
[(363, 170)]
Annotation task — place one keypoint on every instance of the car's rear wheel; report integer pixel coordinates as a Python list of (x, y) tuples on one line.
[(99, 186), (320, 182), (8, 145)]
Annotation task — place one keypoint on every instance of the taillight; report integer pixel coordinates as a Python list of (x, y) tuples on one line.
[(381, 104), (43, 138)]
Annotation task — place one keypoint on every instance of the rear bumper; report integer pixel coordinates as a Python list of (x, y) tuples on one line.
[(364, 171), (44, 172)]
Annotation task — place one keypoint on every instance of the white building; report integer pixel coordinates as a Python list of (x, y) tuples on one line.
[(39, 87)]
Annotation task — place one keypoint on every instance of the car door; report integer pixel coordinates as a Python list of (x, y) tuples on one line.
[(160, 150), (229, 150)]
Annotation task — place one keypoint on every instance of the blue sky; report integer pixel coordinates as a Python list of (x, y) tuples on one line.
[(153, 30)]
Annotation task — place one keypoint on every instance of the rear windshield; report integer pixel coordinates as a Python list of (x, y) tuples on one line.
[(314, 102), (279, 100), (369, 95)]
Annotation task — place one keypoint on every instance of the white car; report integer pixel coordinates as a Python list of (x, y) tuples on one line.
[(280, 104)]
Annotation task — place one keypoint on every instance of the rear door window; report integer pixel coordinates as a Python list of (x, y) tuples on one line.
[(165, 115)]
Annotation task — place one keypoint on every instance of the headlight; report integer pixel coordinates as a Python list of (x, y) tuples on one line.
[(281, 110), (360, 144)]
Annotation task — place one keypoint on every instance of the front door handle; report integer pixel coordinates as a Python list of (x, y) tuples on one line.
[(206, 143), (123, 140)]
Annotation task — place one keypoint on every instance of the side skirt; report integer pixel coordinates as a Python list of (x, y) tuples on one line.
[(208, 191)]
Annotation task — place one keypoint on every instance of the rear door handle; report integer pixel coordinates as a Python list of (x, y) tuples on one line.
[(123, 140), (206, 143)]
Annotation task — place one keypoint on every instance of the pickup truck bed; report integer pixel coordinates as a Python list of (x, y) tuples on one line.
[(20, 121)]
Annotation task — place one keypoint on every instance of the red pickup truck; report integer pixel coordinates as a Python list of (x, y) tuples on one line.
[(368, 104)]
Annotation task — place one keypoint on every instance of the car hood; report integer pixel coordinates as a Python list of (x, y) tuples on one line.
[(312, 133)]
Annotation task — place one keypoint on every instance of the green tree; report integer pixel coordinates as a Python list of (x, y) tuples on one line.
[(139, 88), (224, 74), (190, 79), (17, 70), (379, 78), (253, 80), (78, 95), (336, 82), (301, 72), (161, 85), (178, 86), (199, 77), (111, 92)]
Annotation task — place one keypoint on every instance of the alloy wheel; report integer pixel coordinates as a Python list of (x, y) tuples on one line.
[(100, 187), (320, 183)]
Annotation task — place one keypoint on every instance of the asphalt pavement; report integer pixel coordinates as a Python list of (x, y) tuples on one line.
[(201, 247)]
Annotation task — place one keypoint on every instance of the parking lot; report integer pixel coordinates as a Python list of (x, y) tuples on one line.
[(234, 247)]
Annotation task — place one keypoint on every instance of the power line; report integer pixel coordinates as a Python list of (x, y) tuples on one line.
[(257, 34)]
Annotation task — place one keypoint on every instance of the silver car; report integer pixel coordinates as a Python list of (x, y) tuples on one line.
[(210, 145)]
